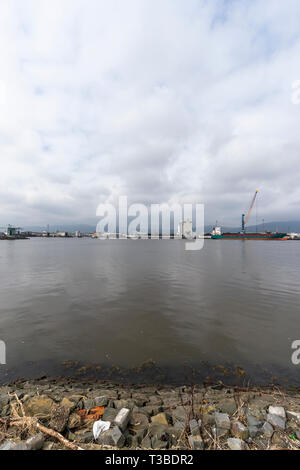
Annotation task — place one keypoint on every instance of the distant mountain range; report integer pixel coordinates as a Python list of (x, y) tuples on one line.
[(84, 228)]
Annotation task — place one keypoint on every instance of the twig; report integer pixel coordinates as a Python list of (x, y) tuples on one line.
[(20, 422)]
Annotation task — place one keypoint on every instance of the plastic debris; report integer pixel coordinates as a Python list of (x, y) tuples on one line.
[(94, 414), (99, 427)]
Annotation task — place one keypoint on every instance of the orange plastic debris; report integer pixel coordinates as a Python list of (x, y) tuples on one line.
[(94, 414)]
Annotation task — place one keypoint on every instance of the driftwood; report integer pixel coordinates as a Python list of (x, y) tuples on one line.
[(25, 421), (32, 422)]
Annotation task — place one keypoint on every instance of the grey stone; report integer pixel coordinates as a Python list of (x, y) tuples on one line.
[(88, 404), (196, 442), (122, 418), (228, 406), (146, 443), (222, 421), (297, 435), (159, 432), (11, 445), (236, 444), (139, 399), (151, 410), (293, 416), (278, 441), (158, 444), (155, 400), (138, 423), (239, 431), (267, 430), (278, 411), (276, 421), (253, 421), (101, 401), (133, 441), (109, 414), (194, 427), (84, 436), (253, 431), (179, 414), (208, 419), (179, 426), (220, 432), (35, 442), (129, 403), (113, 437)]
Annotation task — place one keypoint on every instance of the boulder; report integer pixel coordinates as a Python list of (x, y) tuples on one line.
[(293, 416), (267, 430), (59, 418), (278, 411), (253, 421), (196, 442), (228, 406), (239, 431), (276, 421), (222, 421), (236, 444), (161, 418), (101, 401), (39, 407), (35, 442), (112, 437), (67, 403), (253, 431), (122, 418), (220, 432), (12, 445), (138, 424), (194, 427), (74, 421)]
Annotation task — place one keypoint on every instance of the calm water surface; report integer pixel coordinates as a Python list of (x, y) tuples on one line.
[(124, 302)]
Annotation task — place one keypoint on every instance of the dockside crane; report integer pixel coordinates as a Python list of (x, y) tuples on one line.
[(246, 218)]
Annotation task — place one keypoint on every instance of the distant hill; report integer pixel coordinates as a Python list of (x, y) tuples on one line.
[(84, 228)]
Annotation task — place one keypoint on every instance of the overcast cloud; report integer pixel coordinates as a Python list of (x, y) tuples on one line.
[(160, 100)]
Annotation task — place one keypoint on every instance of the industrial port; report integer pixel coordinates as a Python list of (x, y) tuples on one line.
[(185, 231)]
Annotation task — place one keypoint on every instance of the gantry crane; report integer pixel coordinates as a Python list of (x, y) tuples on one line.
[(246, 218)]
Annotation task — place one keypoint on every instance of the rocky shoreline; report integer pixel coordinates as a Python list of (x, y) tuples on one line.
[(51, 414)]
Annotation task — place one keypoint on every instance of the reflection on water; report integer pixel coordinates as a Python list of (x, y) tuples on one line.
[(125, 302)]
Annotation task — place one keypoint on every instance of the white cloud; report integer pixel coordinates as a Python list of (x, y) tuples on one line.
[(156, 100)]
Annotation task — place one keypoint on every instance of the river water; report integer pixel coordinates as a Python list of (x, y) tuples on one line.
[(122, 307)]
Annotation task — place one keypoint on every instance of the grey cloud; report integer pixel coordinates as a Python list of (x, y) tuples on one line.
[(154, 100)]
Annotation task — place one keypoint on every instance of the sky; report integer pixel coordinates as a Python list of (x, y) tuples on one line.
[(160, 100)]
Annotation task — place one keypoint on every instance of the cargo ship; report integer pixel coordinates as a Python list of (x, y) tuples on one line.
[(249, 236), (243, 235)]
